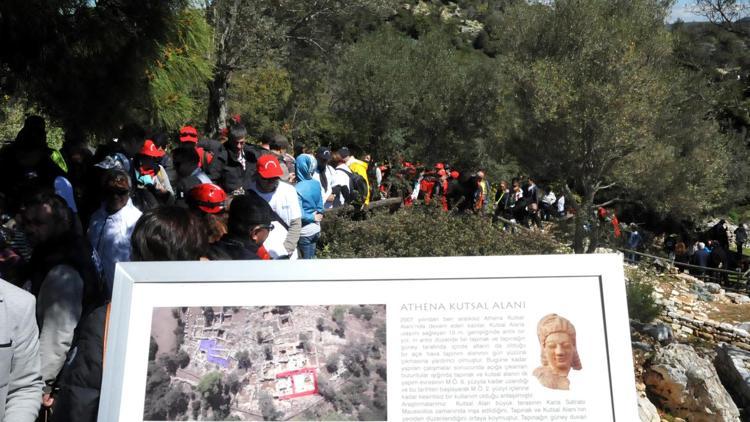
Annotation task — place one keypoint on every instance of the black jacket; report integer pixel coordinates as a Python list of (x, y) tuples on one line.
[(230, 173), (80, 381), (231, 247)]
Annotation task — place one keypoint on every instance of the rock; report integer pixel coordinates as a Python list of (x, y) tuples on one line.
[(738, 298), (659, 332), (744, 326), (714, 288), (639, 345), (646, 410), (731, 364), (687, 386)]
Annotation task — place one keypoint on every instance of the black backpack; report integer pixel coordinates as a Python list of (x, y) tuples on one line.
[(357, 188)]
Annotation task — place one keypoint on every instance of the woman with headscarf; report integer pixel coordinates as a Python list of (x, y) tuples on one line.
[(311, 202)]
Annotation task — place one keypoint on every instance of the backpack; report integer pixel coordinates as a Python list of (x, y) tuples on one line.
[(357, 188)]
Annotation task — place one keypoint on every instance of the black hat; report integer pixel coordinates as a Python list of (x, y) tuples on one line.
[(247, 211)]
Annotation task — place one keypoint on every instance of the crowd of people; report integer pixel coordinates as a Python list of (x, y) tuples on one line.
[(69, 216)]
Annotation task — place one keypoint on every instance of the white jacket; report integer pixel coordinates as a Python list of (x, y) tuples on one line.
[(109, 235)]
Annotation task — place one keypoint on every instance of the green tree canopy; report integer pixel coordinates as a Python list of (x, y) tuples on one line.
[(600, 105), (418, 98)]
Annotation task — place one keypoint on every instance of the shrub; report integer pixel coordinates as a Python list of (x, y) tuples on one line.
[(641, 304), (414, 232)]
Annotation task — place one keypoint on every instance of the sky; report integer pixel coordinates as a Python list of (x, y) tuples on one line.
[(683, 10)]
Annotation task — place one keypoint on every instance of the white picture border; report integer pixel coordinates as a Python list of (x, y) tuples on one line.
[(130, 277)]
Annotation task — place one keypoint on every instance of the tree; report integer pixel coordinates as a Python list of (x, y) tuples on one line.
[(267, 408), (180, 70), (421, 98), (83, 62), (243, 359), (183, 359), (249, 33), (169, 362), (208, 314), (332, 364), (177, 404), (594, 98), (724, 12), (245, 32), (214, 395), (153, 349)]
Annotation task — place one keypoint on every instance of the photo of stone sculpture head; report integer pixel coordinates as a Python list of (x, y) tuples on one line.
[(557, 340)]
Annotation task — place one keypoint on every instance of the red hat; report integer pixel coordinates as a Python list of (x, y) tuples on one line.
[(455, 174), (441, 173), (188, 134), (150, 149), (208, 197), (269, 167), (440, 166)]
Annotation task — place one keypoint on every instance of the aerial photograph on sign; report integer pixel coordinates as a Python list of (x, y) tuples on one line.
[(257, 363)]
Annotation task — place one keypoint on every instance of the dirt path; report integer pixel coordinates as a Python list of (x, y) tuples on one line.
[(162, 329)]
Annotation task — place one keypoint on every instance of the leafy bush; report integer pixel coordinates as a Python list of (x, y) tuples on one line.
[(415, 232), (641, 304)]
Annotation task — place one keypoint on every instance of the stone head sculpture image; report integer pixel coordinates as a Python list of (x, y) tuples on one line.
[(557, 339)]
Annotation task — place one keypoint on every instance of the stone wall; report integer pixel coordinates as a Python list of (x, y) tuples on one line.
[(686, 303)]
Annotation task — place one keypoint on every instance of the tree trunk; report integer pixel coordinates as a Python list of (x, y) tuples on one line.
[(594, 236), (217, 103), (582, 219)]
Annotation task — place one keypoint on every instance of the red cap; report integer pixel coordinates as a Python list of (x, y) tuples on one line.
[(440, 166), (150, 149), (441, 173), (455, 174), (208, 197), (269, 167), (188, 134)]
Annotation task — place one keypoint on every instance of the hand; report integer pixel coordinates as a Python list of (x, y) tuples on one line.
[(330, 198), (48, 400), (318, 217)]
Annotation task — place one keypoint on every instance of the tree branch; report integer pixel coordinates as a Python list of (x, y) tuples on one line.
[(607, 203)]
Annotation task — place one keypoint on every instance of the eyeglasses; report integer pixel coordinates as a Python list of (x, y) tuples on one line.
[(268, 227)]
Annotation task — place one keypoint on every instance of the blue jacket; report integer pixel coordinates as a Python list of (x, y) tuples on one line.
[(308, 189)]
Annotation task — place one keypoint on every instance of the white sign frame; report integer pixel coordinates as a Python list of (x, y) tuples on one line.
[(387, 278)]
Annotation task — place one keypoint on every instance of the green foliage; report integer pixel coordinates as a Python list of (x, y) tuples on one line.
[(243, 359), (83, 63), (183, 359), (332, 364), (362, 312), (177, 78), (157, 386), (215, 394), (210, 383), (13, 112), (414, 232), (641, 304), (176, 402), (261, 95), (267, 408), (596, 83), (419, 98)]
